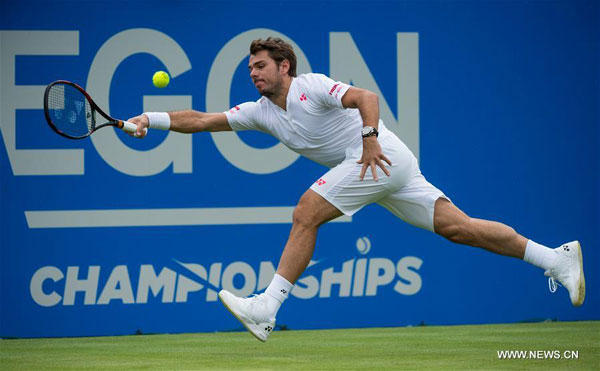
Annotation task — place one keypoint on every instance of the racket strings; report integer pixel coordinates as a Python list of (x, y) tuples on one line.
[(70, 111)]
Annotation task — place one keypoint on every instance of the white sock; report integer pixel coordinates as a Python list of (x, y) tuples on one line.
[(278, 291), (539, 255)]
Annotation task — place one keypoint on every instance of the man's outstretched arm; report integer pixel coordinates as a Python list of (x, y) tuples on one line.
[(185, 121)]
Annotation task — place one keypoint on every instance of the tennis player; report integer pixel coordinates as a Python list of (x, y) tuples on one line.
[(338, 125)]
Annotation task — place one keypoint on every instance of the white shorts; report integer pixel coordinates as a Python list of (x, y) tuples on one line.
[(406, 192)]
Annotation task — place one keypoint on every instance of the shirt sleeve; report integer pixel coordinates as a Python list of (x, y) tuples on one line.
[(243, 116), (327, 91)]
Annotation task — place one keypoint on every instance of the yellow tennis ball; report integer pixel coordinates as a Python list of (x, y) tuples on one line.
[(160, 79)]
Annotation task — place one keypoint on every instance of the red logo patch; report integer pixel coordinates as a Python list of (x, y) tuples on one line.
[(321, 182), (337, 92), (332, 89), (303, 97)]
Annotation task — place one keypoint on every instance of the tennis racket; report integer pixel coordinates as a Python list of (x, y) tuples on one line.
[(72, 113)]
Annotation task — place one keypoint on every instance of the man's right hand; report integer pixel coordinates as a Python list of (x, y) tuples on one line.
[(142, 122)]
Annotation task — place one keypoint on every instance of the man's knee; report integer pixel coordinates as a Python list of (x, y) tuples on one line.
[(305, 213), (460, 232), (303, 216), (451, 223), (313, 210)]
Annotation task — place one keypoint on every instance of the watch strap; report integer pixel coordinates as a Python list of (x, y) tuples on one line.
[(372, 132)]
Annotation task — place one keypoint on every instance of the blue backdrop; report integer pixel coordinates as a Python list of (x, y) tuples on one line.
[(112, 235)]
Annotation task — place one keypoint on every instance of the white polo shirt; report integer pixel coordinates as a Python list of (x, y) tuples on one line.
[(315, 124)]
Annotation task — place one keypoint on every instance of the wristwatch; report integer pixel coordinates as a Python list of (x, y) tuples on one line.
[(369, 131)]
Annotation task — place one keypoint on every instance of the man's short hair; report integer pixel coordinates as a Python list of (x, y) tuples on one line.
[(278, 49)]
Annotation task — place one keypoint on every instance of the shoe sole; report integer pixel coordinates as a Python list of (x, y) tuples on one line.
[(240, 319), (581, 286)]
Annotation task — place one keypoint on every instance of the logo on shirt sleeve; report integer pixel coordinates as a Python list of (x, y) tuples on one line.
[(234, 109), (333, 89), (338, 91)]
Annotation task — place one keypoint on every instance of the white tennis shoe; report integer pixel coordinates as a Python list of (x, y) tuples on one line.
[(252, 312), (568, 270)]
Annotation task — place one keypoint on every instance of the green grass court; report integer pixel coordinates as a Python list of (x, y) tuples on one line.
[(428, 347)]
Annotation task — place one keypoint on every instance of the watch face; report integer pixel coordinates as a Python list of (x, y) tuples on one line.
[(367, 130)]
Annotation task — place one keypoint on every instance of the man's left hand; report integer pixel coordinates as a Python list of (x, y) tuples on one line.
[(373, 156)]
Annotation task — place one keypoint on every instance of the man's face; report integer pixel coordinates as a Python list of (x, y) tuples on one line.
[(265, 74)]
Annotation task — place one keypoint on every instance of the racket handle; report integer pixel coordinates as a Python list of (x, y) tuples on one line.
[(130, 127)]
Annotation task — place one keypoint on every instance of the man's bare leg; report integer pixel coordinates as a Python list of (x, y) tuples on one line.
[(564, 264), (312, 211), (451, 223), (258, 313)]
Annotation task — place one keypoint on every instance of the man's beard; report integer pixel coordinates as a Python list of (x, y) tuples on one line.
[(272, 92), (268, 93)]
